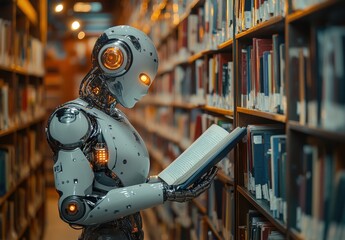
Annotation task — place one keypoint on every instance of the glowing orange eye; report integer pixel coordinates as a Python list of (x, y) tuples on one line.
[(145, 79), (112, 58)]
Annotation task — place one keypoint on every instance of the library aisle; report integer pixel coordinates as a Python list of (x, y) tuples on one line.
[(56, 229)]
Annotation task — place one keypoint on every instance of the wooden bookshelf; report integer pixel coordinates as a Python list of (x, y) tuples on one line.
[(295, 104), (22, 117)]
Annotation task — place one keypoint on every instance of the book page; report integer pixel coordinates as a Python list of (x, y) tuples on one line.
[(194, 156)]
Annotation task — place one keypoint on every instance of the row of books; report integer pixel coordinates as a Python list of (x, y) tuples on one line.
[(257, 227), (319, 94), (331, 57), (205, 27), (161, 17), (19, 105), (218, 24), (5, 42), (265, 166), (250, 13), (17, 211), (320, 198), (9, 210), (198, 222), (221, 208), (220, 82), (219, 218), (209, 82), (20, 49), (17, 159), (5, 99), (263, 74), (199, 26)]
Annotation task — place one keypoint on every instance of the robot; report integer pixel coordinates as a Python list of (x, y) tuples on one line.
[(101, 164)]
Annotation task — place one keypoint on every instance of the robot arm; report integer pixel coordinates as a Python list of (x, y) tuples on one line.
[(124, 201), (69, 133)]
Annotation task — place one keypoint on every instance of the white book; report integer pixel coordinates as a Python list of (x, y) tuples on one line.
[(204, 153)]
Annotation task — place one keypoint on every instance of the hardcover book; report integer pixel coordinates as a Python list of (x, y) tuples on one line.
[(198, 158)]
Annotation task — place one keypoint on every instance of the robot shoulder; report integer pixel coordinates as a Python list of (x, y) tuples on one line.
[(69, 127)]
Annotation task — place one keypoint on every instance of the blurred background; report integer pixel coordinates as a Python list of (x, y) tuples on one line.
[(72, 29)]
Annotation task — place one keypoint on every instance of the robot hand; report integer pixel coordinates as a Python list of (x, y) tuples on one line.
[(173, 193)]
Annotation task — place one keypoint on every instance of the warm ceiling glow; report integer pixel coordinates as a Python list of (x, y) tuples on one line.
[(82, 7), (75, 25), (81, 35), (87, 7), (59, 7)]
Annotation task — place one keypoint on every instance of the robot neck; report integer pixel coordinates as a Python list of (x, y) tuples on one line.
[(94, 91)]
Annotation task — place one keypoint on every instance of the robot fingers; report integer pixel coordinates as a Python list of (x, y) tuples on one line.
[(173, 193), (207, 177)]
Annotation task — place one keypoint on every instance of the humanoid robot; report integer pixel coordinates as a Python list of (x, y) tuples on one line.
[(101, 164)]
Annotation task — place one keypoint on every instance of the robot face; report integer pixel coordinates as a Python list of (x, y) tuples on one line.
[(129, 64)]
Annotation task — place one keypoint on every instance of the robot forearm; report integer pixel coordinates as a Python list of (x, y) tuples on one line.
[(121, 202), (124, 201)]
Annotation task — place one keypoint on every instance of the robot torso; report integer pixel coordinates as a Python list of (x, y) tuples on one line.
[(126, 153)]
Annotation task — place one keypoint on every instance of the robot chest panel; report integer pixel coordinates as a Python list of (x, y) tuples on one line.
[(128, 156)]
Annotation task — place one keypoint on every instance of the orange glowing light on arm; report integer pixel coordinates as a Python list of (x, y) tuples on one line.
[(72, 208)]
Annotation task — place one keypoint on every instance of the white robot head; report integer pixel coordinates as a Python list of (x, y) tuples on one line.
[(127, 61)]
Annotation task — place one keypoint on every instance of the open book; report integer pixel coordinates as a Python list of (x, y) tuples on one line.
[(206, 151)]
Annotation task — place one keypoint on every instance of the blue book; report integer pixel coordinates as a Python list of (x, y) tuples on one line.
[(276, 158), (265, 73), (3, 180), (260, 158)]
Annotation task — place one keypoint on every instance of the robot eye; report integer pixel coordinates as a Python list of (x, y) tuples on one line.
[(145, 79), (115, 58), (112, 58)]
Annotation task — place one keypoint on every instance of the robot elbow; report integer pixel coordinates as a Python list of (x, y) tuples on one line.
[(72, 209)]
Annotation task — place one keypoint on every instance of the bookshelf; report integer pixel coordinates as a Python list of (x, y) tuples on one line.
[(273, 66), (22, 120)]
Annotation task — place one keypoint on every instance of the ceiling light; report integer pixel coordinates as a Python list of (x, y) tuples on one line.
[(75, 25), (81, 35), (59, 7)]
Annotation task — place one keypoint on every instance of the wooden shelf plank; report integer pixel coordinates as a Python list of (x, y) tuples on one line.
[(315, 11), (28, 10), (267, 115), (263, 208), (317, 132), (218, 110), (272, 25)]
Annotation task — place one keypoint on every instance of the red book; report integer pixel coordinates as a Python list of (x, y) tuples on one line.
[(244, 72), (261, 45)]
